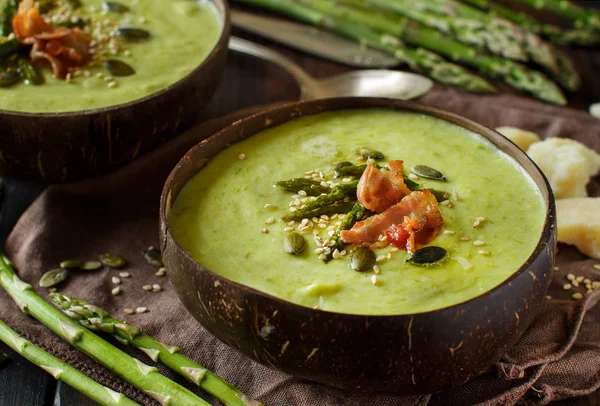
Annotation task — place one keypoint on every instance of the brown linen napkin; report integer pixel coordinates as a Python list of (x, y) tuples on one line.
[(558, 357)]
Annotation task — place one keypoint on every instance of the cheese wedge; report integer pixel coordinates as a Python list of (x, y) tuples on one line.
[(522, 138), (567, 164), (579, 224)]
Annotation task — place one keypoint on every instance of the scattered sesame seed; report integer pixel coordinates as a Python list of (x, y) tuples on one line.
[(142, 20), (116, 280), (579, 279), (380, 258), (319, 250), (567, 286), (449, 232), (571, 277), (455, 195), (336, 254), (99, 75), (556, 268), (465, 238), (587, 281), (147, 288), (484, 252), (52, 290), (412, 176), (161, 272), (322, 256), (374, 279), (270, 220), (127, 52), (478, 221), (596, 266), (293, 208), (270, 206), (140, 310), (108, 78), (288, 228), (322, 225), (376, 269), (575, 283), (112, 84), (156, 288), (577, 296), (264, 230), (548, 297), (394, 249), (124, 275), (478, 242), (128, 311), (116, 291), (241, 156), (302, 193)]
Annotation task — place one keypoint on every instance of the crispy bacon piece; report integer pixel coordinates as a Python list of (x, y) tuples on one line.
[(423, 224), (378, 190), (64, 48)]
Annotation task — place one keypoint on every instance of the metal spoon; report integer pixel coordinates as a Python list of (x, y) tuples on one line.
[(365, 83)]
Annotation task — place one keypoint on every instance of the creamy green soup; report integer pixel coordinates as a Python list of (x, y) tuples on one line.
[(222, 216), (183, 33)]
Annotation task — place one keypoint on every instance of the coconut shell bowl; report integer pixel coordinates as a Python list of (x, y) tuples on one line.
[(61, 147), (393, 354)]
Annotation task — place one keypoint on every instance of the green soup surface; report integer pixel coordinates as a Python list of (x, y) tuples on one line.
[(183, 33), (220, 217)]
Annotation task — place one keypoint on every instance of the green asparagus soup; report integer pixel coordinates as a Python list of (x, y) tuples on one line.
[(229, 215), (161, 41)]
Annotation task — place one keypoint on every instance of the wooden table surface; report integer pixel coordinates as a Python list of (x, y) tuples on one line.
[(248, 82)]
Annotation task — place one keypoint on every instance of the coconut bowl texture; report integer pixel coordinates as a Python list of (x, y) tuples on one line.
[(397, 354), (61, 147)]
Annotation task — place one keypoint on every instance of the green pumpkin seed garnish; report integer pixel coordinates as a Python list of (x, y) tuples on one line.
[(369, 153), (294, 243), (71, 264), (153, 256), (114, 7), (91, 266), (132, 34), (112, 260), (428, 256), (53, 277), (362, 259), (118, 68), (9, 77), (428, 172)]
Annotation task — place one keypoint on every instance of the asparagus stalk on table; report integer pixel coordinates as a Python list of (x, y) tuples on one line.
[(420, 60), (144, 377), (62, 371), (96, 319), (580, 17)]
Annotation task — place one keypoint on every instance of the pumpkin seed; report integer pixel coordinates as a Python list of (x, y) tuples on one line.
[(114, 7), (53, 277), (294, 243), (91, 266), (118, 68), (428, 172), (428, 256), (369, 153), (132, 34), (71, 264), (362, 259), (9, 77), (112, 260), (153, 256)]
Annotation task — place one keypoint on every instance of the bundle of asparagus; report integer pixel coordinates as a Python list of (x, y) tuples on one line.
[(479, 33)]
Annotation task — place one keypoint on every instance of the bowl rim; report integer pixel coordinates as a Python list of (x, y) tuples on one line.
[(223, 9), (330, 105)]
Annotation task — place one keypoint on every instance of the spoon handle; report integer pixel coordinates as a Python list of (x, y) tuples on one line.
[(308, 85)]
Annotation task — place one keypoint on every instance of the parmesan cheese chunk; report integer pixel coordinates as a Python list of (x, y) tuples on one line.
[(567, 164), (522, 138), (579, 224)]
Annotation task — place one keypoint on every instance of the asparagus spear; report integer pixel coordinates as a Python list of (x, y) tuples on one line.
[(133, 371), (97, 319), (579, 16), (419, 60), (61, 370), (342, 193), (357, 213), (342, 207), (311, 187)]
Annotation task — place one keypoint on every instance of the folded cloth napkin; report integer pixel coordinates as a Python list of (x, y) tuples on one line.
[(558, 357)]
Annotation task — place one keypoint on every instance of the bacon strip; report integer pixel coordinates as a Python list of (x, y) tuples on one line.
[(420, 206), (378, 190), (62, 47)]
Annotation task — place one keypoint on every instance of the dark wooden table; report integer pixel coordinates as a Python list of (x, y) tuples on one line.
[(248, 82)]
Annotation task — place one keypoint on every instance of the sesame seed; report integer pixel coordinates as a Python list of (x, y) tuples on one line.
[(478, 221), (575, 283), (484, 252), (270, 206), (449, 232), (116, 291), (241, 156), (140, 310), (376, 269), (270, 220), (161, 272), (587, 281), (567, 286), (412, 176), (288, 228), (128, 311), (293, 208), (465, 238), (336, 254), (112, 84), (380, 258), (571, 277), (394, 249), (116, 280), (580, 279), (322, 225), (322, 256), (556, 268), (156, 288), (147, 288), (548, 297), (577, 296), (478, 242), (319, 250), (264, 230), (302, 193), (124, 275), (596, 266), (374, 279), (455, 195)]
